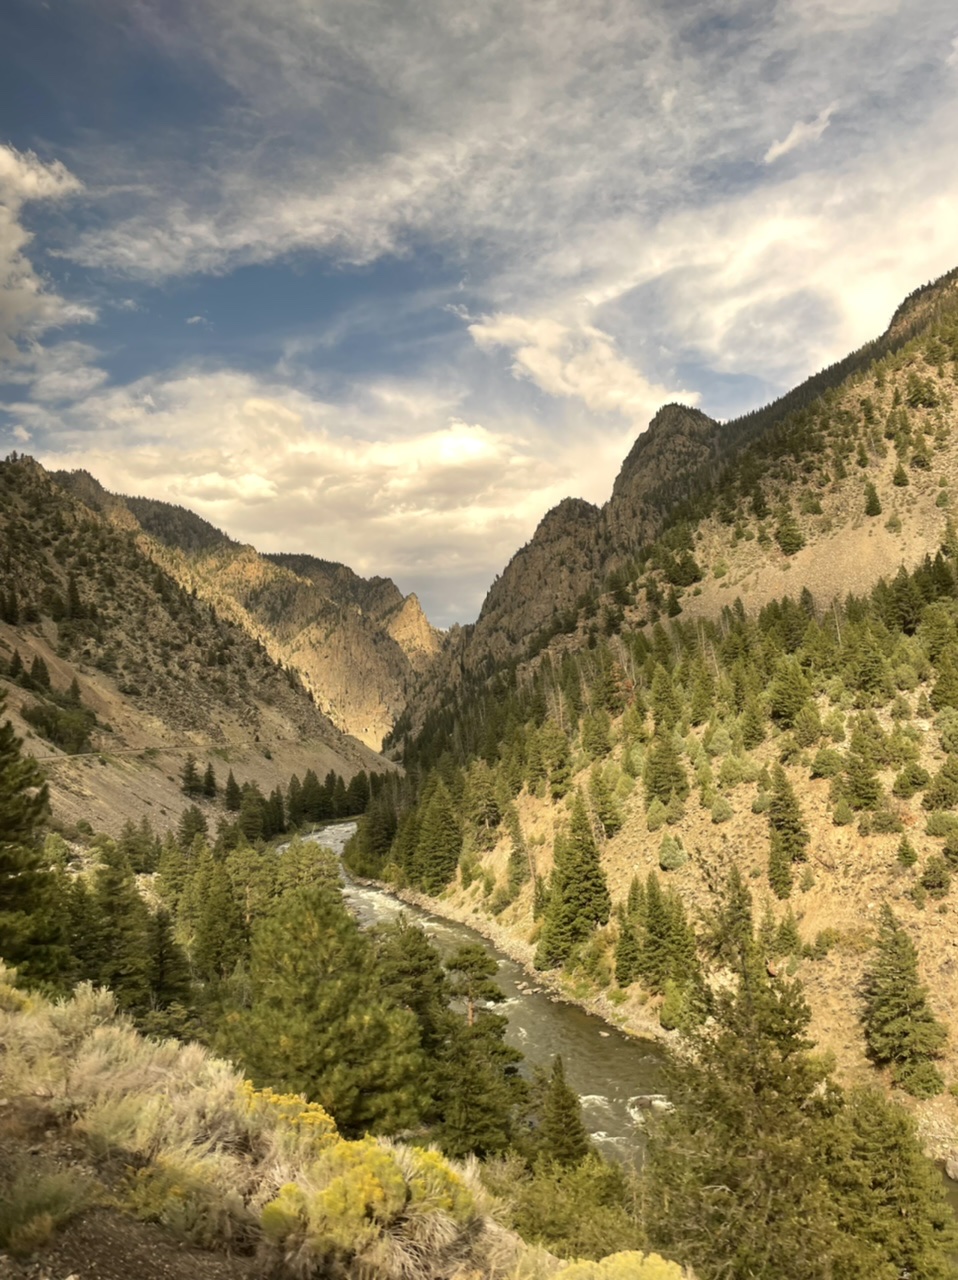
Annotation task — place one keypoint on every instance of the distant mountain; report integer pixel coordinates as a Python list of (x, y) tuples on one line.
[(160, 673), (358, 644)]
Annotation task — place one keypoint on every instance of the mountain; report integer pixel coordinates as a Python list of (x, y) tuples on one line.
[(689, 469), (159, 672), (357, 644), (745, 664)]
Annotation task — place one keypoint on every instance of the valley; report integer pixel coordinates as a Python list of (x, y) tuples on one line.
[(695, 764)]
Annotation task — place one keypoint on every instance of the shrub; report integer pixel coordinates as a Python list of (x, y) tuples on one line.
[(721, 810), (32, 1206), (672, 854), (623, 1266)]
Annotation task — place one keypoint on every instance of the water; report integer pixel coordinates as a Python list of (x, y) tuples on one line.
[(608, 1069)]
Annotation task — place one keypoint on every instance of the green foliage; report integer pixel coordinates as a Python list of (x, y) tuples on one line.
[(588, 1210), (579, 898), (560, 1134), (872, 503), (936, 878), (900, 1029), (318, 1022), (672, 854)]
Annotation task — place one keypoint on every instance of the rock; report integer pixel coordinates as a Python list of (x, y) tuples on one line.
[(951, 1166)]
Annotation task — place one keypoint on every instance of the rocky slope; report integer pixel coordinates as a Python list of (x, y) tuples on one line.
[(356, 643), (162, 672)]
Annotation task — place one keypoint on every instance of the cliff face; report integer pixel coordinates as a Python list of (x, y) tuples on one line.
[(357, 643), (660, 470), (543, 579)]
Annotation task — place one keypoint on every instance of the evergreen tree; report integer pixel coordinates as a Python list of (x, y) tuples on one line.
[(220, 940), (192, 823), (733, 1175), (232, 796), (118, 955), (439, 842), (31, 936), (561, 1134), (294, 803), (579, 898), (318, 1021), (627, 954), (785, 818), (888, 1195), (604, 803), (663, 774), (872, 503), (900, 1029), (209, 782), (191, 784), (167, 972), (729, 926)]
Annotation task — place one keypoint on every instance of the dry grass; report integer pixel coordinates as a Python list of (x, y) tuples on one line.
[(225, 1166)]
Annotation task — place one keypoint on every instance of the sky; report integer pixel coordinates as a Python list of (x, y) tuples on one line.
[(384, 280)]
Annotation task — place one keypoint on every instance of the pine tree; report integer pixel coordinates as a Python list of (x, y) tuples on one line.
[(729, 926), (627, 954), (191, 784), (232, 796), (579, 899), (119, 951), (439, 841), (294, 803), (872, 503), (561, 1134), (209, 782), (785, 818), (656, 948), (167, 973), (663, 774), (779, 867), (604, 803), (220, 940), (900, 1029), (31, 936), (862, 788), (733, 1182), (318, 1021), (888, 1195)]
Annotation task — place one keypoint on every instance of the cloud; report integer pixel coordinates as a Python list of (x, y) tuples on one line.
[(800, 134), (27, 305), (201, 320), (578, 362), (391, 483), (952, 59)]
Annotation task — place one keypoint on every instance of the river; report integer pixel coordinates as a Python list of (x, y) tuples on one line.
[(608, 1069)]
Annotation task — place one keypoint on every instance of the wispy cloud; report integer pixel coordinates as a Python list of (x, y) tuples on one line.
[(28, 306), (801, 134)]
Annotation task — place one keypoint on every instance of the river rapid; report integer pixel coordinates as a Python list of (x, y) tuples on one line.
[(608, 1069)]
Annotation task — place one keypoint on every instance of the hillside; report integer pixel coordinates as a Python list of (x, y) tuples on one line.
[(684, 460), (159, 673), (356, 644), (769, 627)]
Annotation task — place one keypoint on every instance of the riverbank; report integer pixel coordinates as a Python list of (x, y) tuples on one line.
[(550, 981)]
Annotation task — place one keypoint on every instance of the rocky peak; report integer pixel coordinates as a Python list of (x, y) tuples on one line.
[(658, 472), (411, 630)]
